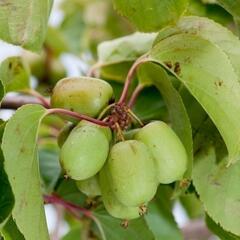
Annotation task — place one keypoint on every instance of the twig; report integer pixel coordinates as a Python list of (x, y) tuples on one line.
[(130, 77), (14, 102), (92, 70), (77, 116), (74, 210), (135, 95)]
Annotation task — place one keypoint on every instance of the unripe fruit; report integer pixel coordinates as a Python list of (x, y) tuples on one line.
[(132, 173), (106, 130), (167, 149), (111, 203), (64, 133), (83, 95), (90, 186), (84, 152)]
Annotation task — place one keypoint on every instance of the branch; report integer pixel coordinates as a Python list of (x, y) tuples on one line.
[(130, 76), (72, 208), (14, 102)]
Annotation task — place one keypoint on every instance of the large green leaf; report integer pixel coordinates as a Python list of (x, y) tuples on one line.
[(215, 86), (24, 22), (2, 91), (19, 147), (14, 74), (117, 56), (218, 188), (216, 229), (73, 234), (6, 195), (150, 105), (136, 230), (231, 6), (50, 168), (125, 48), (211, 11), (151, 15), (68, 190), (160, 219), (11, 231), (211, 31), (177, 112)]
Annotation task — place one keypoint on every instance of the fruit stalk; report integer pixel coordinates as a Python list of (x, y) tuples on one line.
[(77, 116), (130, 77), (72, 208), (135, 95)]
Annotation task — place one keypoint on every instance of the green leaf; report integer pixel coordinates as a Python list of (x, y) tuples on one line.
[(73, 29), (151, 15), (216, 229), (117, 56), (218, 187), (215, 86), (177, 112), (68, 190), (24, 22), (2, 91), (11, 232), (6, 195), (150, 105), (136, 230), (160, 219), (21, 165), (56, 42), (14, 74), (73, 234), (231, 6), (215, 33), (125, 49), (212, 11), (50, 168)]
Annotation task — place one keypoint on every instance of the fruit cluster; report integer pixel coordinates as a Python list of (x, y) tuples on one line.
[(125, 173)]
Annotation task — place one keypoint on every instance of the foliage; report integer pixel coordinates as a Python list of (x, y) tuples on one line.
[(82, 144)]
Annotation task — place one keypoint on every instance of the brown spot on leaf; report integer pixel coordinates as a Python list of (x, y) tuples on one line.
[(168, 64), (218, 83), (177, 68)]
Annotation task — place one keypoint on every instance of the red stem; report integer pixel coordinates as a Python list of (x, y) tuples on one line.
[(77, 116), (130, 77), (135, 95), (72, 208)]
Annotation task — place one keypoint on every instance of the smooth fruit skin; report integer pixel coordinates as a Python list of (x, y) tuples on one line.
[(111, 203), (90, 186), (84, 95), (106, 130), (167, 149), (84, 152), (132, 172)]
